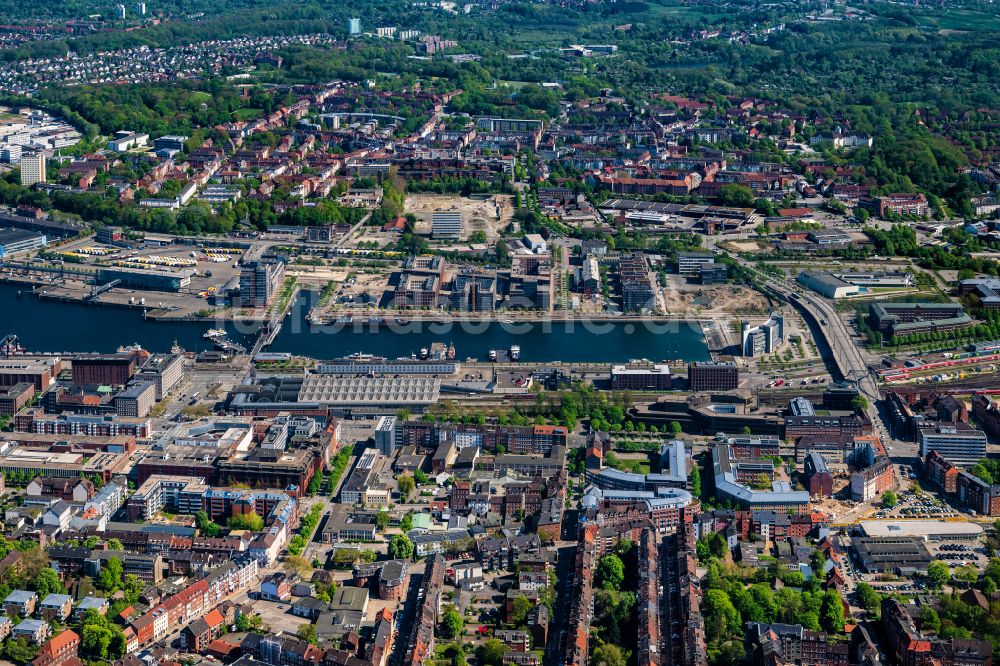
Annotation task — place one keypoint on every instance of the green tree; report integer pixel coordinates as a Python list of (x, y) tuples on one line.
[(307, 632), (696, 481), (519, 610), (420, 477), (967, 574), (938, 573), (675, 428), (132, 587), (247, 521), (47, 582), (868, 598), (19, 651), (491, 653), (451, 622), (832, 612), (95, 640), (406, 485), (246, 622), (722, 620), (400, 547), (610, 572), (111, 575), (889, 499), (206, 526), (929, 620), (608, 654)]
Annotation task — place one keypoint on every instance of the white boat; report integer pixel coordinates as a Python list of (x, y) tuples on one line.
[(493, 354), (515, 352), (215, 333)]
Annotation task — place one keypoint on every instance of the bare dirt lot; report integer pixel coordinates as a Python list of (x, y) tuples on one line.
[(711, 300), (487, 215)]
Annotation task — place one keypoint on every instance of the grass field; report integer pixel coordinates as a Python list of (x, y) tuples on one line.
[(963, 19), (247, 114)]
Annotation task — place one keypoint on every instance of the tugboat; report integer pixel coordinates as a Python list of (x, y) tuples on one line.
[(515, 353), (451, 351)]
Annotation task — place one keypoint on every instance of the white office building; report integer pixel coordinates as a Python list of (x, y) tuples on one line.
[(764, 338), (446, 225)]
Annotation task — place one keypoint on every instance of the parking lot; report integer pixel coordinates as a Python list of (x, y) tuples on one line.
[(914, 505), (278, 616)]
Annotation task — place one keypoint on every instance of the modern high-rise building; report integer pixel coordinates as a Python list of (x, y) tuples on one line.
[(32, 169), (764, 338), (259, 282), (353, 27), (959, 443), (140, 8), (120, 12)]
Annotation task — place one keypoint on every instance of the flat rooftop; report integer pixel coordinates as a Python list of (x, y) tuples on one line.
[(926, 529)]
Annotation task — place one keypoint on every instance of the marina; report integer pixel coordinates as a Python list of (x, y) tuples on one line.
[(102, 329)]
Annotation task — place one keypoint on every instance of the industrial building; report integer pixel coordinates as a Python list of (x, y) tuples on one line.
[(346, 392), (828, 285), (13, 241), (153, 279), (898, 555)]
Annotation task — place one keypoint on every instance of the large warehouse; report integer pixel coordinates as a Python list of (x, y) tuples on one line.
[(892, 554)]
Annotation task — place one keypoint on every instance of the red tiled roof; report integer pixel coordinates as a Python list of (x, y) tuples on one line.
[(214, 618)]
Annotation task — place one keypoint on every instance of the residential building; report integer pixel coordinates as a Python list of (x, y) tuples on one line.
[(58, 650), (34, 631), (13, 398), (977, 495), (56, 607), (636, 285), (260, 282), (941, 472), (32, 169), (20, 603)]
